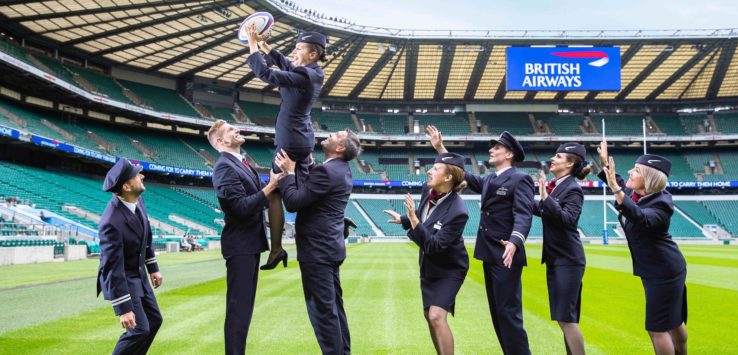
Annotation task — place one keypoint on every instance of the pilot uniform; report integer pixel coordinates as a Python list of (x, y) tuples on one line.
[(506, 215), (125, 249)]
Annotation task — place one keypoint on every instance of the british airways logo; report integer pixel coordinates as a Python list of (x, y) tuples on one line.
[(601, 58)]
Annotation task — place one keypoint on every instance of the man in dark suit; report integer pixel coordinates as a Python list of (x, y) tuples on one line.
[(507, 201), (125, 247), (320, 201), (242, 197)]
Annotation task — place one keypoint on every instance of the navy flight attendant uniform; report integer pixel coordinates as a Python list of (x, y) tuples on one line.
[(506, 214), (320, 201), (243, 239), (443, 259), (563, 253), (656, 257), (299, 87), (125, 248)]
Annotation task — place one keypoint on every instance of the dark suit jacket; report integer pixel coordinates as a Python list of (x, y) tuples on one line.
[(299, 88), (242, 201), (507, 203), (125, 247), (646, 226), (440, 237), (560, 216), (320, 201)]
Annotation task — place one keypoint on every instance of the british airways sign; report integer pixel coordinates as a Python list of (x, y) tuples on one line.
[(563, 69)]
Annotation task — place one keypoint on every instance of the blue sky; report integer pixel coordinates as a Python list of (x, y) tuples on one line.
[(533, 14)]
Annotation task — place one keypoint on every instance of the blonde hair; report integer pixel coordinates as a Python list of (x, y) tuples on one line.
[(213, 133), (654, 180), (457, 177)]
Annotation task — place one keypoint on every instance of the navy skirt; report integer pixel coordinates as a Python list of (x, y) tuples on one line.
[(564, 291), (666, 302), (440, 292)]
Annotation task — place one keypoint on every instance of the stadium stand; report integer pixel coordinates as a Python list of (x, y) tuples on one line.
[(516, 123), (104, 85), (450, 124), (161, 99), (263, 114), (726, 122), (669, 124), (333, 121), (621, 125), (725, 212), (51, 190), (693, 124), (563, 125)]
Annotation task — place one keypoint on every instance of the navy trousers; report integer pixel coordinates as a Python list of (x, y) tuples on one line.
[(148, 321), (321, 285), (504, 295), (242, 273)]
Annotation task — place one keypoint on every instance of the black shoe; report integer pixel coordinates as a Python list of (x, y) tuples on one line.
[(271, 265)]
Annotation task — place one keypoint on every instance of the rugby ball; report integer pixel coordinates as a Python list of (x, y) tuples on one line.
[(263, 22)]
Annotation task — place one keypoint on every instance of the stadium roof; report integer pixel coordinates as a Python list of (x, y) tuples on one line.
[(186, 38)]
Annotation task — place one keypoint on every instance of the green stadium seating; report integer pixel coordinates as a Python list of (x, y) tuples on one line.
[(692, 123), (727, 122), (51, 190), (563, 125), (161, 99), (333, 121), (263, 114), (219, 112), (450, 124), (516, 123), (670, 124), (373, 122), (725, 212), (621, 125), (105, 85)]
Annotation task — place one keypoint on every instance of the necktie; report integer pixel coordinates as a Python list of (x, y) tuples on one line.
[(245, 163), (551, 185), (139, 216)]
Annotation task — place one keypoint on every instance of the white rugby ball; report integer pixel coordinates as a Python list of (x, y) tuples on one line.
[(262, 20)]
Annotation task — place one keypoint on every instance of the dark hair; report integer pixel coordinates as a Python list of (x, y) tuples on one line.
[(457, 177), (352, 145), (317, 49), (580, 169)]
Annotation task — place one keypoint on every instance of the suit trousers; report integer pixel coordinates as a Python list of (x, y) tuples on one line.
[(321, 285), (504, 295), (148, 321), (242, 273)]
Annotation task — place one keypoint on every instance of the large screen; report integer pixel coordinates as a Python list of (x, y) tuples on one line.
[(563, 69)]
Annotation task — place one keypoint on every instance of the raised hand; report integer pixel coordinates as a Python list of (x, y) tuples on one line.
[(542, 185), (436, 139), (394, 217), (410, 207), (602, 151), (611, 175)]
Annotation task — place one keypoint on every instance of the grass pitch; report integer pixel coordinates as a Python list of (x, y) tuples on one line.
[(51, 308)]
